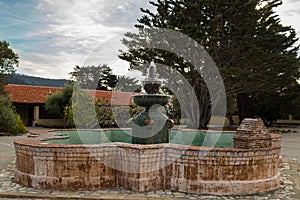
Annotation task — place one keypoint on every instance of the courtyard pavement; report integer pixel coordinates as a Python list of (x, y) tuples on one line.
[(290, 179), (7, 151)]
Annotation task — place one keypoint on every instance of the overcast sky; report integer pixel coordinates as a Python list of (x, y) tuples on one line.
[(52, 36)]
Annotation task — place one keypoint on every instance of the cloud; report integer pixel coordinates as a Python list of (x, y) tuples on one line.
[(79, 33), (107, 12), (57, 65), (288, 8), (90, 20), (51, 36), (73, 24), (289, 14)]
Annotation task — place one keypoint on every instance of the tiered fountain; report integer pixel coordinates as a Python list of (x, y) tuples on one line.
[(248, 165), (152, 125)]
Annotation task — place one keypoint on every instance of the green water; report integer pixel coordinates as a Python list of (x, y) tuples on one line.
[(193, 138)]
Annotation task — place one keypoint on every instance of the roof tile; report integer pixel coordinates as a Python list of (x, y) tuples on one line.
[(38, 94)]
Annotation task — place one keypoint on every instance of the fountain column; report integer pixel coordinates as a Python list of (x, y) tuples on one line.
[(152, 125)]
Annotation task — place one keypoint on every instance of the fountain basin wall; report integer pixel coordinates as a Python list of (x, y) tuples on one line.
[(190, 169)]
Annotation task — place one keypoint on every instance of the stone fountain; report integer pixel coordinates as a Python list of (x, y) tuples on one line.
[(152, 125), (249, 165)]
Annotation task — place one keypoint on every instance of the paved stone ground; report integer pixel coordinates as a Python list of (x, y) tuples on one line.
[(7, 153), (289, 190), (291, 153)]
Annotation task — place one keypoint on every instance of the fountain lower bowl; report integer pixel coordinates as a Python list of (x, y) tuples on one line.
[(176, 167)]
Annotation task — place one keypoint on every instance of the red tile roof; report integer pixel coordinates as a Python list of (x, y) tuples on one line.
[(38, 94), (29, 94)]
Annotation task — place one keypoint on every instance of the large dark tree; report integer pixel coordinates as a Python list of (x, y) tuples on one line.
[(127, 84), (292, 103), (8, 63), (251, 48), (92, 77), (56, 102)]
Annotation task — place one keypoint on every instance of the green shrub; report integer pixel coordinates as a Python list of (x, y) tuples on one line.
[(20, 127), (68, 114), (10, 121)]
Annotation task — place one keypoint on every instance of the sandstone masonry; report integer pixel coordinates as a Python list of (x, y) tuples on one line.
[(250, 167)]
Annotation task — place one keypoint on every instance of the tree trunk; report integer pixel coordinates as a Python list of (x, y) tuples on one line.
[(196, 108), (245, 106), (205, 108), (201, 111)]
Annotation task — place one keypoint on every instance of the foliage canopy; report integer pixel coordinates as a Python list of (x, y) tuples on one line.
[(253, 51), (92, 77), (10, 120), (8, 63)]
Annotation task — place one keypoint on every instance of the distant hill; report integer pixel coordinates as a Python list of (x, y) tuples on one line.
[(22, 79)]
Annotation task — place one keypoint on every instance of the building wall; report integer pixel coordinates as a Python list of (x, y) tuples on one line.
[(30, 114), (52, 122), (49, 122)]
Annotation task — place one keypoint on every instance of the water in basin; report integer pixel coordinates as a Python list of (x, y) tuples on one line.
[(184, 137)]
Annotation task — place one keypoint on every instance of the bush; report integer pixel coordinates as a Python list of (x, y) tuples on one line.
[(68, 115), (10, 120), (83, 109), (20, 127)]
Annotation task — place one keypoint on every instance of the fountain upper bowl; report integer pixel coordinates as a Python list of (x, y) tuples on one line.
[(146, 100)]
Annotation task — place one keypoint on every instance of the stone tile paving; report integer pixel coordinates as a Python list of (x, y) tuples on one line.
[(289, 190)]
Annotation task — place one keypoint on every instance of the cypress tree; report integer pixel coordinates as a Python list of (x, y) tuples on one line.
[(251, 48)]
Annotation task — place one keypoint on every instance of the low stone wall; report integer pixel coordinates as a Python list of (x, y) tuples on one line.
[(49, 122), (64, 167), (223, 171), (190, 169)]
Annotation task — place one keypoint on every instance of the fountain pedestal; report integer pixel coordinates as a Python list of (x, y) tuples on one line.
[(151, 128)]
